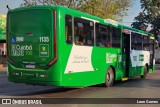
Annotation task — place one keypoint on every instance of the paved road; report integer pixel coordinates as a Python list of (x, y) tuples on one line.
[(133, 88)]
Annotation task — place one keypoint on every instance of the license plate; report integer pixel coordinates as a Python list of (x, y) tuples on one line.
[(30, 66)]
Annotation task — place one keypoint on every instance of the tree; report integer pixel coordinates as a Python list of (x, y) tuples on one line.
[(141, 22), (112, 9), (149, 15), (2, 27), (156, 27)]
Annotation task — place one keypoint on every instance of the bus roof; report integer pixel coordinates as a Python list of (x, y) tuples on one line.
[(85, 15)]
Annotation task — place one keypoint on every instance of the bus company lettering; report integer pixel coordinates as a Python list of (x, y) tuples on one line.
[(80, 59), (18, 50), (25, 47), (111, 58)]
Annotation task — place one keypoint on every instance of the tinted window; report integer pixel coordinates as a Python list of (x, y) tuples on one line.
[(137, 41), (83, 32), (146, 43), (102, 35), (115, 35), (68, 27)]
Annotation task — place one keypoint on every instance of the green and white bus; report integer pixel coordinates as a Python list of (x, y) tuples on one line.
[(54, 45)]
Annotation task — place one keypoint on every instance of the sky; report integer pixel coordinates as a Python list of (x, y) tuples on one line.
[(132, 13), (11, 3), (127, 20)]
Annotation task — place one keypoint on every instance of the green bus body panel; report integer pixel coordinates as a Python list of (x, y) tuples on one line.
[(31, 23), (30, 37)]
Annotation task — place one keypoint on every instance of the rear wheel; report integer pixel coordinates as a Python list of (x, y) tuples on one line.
[(109, 79), (145, 72)]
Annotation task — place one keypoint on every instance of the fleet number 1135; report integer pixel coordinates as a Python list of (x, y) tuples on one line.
[(44, 39)]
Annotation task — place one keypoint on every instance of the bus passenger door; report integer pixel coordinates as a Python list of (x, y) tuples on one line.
[(126, 52)]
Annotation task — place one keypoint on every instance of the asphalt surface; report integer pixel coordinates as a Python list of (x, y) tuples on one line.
[(133, 88)]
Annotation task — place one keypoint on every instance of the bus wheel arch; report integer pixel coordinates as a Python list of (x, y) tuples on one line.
[(147, 67), (146, 70), (110, 76)]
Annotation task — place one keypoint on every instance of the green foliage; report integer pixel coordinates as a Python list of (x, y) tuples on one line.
[(110, 9), (2, 27), (149, 15)]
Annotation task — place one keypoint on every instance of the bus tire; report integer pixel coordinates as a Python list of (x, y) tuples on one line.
[(109, 78), (145, 72)]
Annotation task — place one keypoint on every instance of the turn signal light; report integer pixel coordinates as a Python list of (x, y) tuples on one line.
[(14, 73)]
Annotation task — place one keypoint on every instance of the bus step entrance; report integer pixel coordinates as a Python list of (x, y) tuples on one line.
[(125, 79)]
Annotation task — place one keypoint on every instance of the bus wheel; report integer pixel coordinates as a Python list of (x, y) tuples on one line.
[(145, 73), (109, 79)]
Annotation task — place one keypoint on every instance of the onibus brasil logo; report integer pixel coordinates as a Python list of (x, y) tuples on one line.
[(21, 101)]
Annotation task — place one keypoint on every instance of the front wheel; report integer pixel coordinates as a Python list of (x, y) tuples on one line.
[(145, 72), (109, 79)]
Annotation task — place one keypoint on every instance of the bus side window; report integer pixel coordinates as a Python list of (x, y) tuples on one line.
[(102, 35), (68, 28), (116, 33), (83, 32), (133, 42), (146, 43), (137, 41)]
